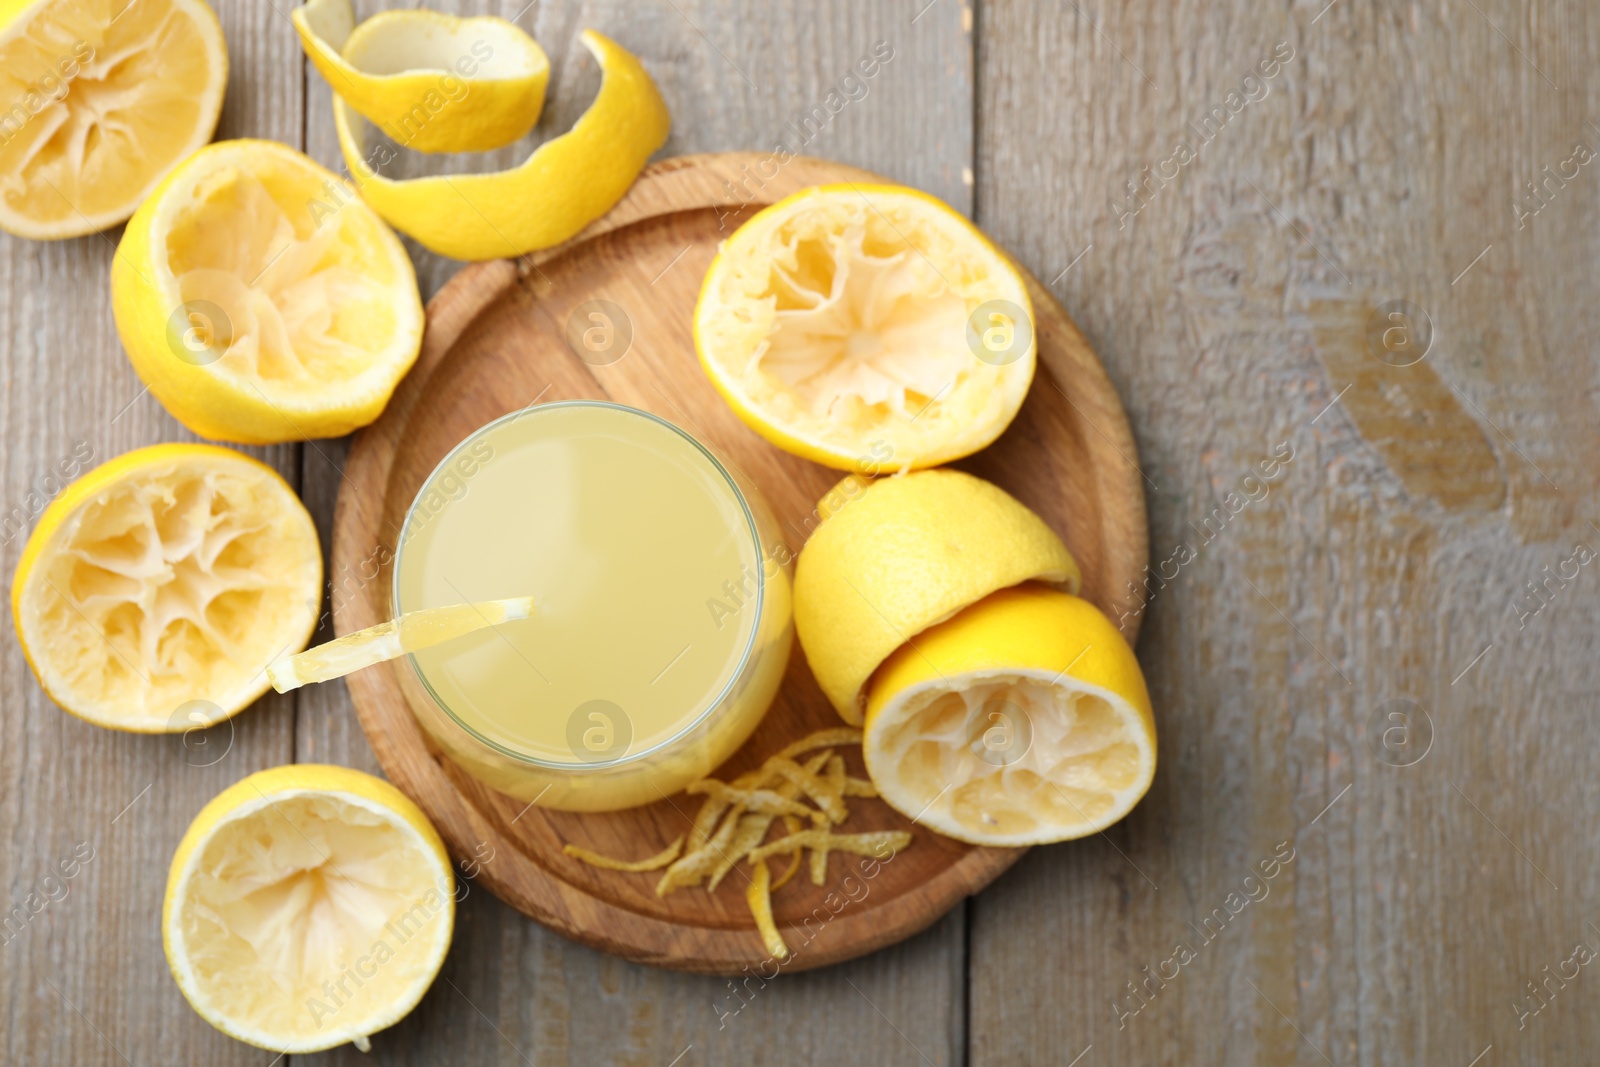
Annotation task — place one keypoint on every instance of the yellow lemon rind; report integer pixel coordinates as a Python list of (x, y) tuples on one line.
[(881, 554), (460, 109), (567, 183)]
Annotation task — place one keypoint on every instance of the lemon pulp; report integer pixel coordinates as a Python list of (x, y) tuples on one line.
[(307, 906), (1021, 720), (262, 300), (98, 100), (302, 298), (168, 575), (853, 325)]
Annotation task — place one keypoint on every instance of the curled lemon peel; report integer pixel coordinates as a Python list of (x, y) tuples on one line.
[(567, 183), (651, 863), (430, 81)]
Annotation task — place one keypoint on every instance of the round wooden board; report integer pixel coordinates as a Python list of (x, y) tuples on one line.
[(496, 342)]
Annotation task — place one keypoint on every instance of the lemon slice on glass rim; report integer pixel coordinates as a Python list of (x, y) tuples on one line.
[(411, 632), (567, 183), (430, 81), (307, 907), (154, 591), (1022, 720), (261, 300), (102, 100), (867, 327)]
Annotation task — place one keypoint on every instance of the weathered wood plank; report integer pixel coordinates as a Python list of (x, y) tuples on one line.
[(1230, 301), (515, 991), (85, 981)]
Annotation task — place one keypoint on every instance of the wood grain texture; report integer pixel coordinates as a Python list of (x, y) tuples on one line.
[(85, 981), (1231, 306), (1395, 145), (497, 341), (551, 999)]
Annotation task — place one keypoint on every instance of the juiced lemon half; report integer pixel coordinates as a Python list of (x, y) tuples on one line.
[(867, 327), (154, 592), (307, 907), (262, 300), (1022, 720), (99, 99)]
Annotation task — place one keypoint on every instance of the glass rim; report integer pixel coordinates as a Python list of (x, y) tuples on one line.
[(711, 706)]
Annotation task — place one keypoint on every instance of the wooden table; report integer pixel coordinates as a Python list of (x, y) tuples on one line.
[(1410, 560)]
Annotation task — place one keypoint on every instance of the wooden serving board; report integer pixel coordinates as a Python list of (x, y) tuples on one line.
[(496, 341)]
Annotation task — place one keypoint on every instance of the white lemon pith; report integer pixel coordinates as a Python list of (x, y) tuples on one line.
[(897, 555), (98, 101), (836, 323), (168, 576), (307, 907), (262, 301), (1022, 720)]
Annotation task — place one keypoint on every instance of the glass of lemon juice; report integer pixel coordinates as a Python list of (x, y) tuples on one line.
[(660, 629)]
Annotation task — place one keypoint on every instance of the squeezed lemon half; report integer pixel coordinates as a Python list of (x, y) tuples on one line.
[(163, 582), (1022, 720), (867, 327), (99, 99), (897, 555), (262, 300), (307, 906)]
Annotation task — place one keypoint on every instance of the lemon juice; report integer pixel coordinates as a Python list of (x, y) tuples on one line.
[(659, 632)]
